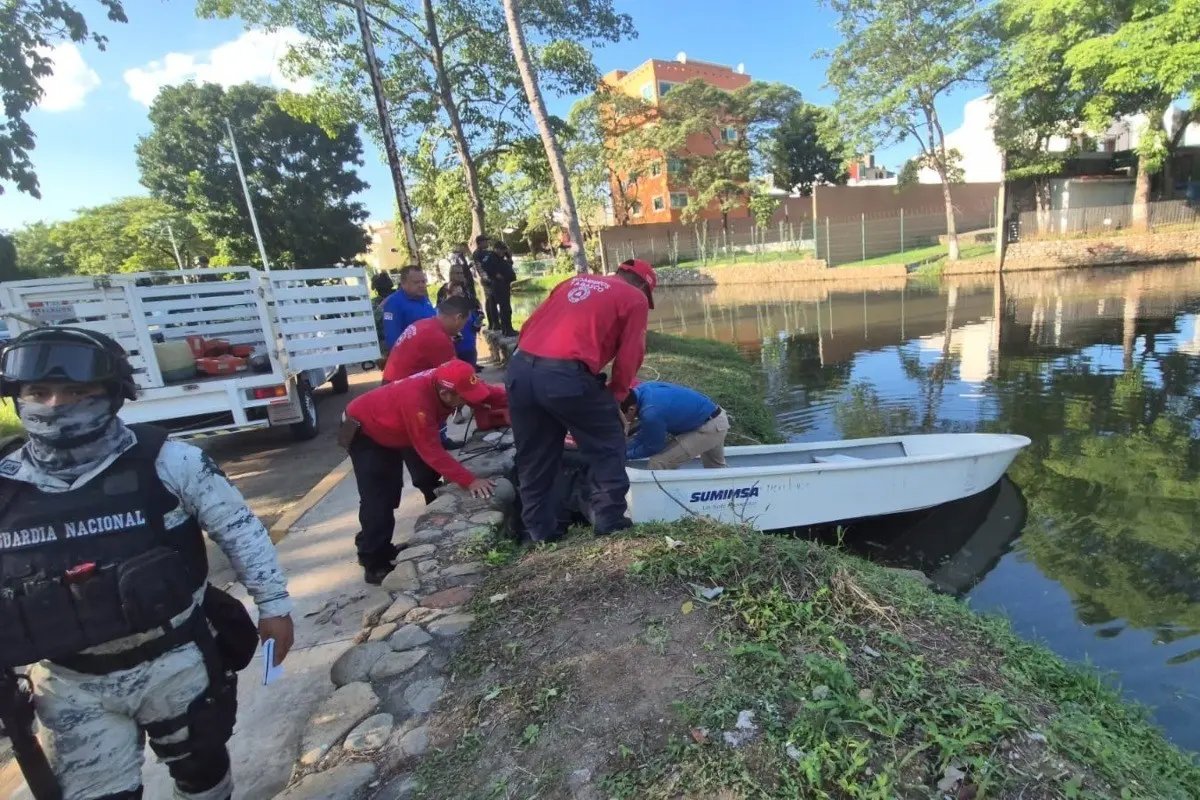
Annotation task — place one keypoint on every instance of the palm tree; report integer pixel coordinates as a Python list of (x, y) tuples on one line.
[(558, 165)]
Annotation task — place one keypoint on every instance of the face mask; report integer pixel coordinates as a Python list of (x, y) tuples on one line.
[(70, 440)]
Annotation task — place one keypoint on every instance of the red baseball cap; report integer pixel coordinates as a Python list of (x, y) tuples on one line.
[(644, 271), (459, 377)]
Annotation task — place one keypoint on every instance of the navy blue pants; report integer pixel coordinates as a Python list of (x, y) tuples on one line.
[(547, 399)]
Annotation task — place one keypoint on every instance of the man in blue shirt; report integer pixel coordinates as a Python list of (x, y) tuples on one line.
[(406, 306), (676, 424)]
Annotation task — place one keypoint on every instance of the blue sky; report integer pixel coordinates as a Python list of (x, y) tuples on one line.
[(96, 104)]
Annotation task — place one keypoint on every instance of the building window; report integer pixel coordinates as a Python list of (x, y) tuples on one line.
[(631, 181), (729, 134), (648, 91), (635, 209), (664, 87), (655, 169), (675, 165), (679, 199), (659, 204)]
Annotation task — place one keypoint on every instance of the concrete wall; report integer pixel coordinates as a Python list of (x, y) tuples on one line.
[(849, 202), (1140, 248), (775, 272)]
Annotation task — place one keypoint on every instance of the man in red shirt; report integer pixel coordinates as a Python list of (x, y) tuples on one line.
[(428, 342), (398, 428), (555, 386)]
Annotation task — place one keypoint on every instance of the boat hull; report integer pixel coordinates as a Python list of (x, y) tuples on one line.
[(783, 486)]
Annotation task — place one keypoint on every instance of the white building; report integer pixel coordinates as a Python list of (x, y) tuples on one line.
[(976, 141)]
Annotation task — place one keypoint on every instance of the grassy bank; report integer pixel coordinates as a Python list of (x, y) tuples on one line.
[(718, 371), (540, 283), (696, 660), (924, 255), (766, 257)]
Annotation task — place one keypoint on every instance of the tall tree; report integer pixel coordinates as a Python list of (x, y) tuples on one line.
[(301, 177), (719, 136), (8, 259), (1140, 58), (28, 29), (1034, 99), (39, 255), (554, 154), (132, 234), (898, 58), (601, 125), (801, 155), (444, 65)]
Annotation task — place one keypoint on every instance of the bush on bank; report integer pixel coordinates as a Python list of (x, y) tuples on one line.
[(614, 668)]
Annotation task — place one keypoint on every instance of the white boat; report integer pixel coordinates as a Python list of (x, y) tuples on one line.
[(788, 485)]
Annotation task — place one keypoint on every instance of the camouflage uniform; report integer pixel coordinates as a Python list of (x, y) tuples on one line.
[(90, 725)]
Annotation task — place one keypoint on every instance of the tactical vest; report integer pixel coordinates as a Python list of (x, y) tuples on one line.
[(95, 564)]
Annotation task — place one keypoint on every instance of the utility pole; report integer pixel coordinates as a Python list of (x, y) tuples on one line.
[(237, 160), (389, 138)]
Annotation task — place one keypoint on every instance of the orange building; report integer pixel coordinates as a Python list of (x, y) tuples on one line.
[(658, 193)]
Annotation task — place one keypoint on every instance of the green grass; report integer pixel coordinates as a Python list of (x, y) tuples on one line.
[(718, 371), (742, 258), (924, 255), (866, 684), (541, 283)]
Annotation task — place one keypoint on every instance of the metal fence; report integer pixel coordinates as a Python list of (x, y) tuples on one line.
[(1100, 220), (890, 237)]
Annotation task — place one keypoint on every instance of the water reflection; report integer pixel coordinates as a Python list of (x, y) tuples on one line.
[(1099, 368)]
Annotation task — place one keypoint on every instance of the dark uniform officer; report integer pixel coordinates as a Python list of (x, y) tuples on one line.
[(103, 577), (555, 386)]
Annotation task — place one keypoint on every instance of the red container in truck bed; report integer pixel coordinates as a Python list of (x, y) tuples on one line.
[(221, 365)]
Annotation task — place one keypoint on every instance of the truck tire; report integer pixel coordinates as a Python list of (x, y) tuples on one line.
[(307, 428), (339, 383)]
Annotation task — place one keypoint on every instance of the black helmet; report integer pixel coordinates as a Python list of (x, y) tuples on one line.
[(63, 354), (382, 283)]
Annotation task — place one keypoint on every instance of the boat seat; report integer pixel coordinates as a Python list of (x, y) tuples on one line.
[(836, 458)]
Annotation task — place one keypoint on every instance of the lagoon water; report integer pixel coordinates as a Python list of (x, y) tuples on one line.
[(1094, 545)]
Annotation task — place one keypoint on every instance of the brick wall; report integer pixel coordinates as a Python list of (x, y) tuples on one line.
[(1140, 248), (775, 272)]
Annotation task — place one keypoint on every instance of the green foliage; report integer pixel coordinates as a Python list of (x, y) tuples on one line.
[(719, 137), (28, 31), (807, 149), (39, 254), (448, 72), (718, 371), (866, 684), (8, 259), (897, 59), (301, 177), (128, 235), (762, 203)]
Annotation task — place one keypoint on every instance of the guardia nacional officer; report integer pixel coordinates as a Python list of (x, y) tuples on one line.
[(103, 577)]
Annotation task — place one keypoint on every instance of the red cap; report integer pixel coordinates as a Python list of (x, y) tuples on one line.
[(459, 377), (644, 271)]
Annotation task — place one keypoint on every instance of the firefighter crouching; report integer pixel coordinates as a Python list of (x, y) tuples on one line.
[(103, 578)]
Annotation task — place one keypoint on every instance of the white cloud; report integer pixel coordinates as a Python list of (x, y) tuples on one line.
[(252, 57), (72, 79)]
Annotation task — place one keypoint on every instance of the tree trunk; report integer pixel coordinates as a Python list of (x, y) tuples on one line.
[(1141, 190), (1140, 216), (951, 232), (389, 138), (558, 165), (937, 142), (1001, 211), (457, 134)]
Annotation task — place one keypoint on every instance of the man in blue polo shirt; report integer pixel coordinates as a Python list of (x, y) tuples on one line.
[(675, 425), (406, 306)]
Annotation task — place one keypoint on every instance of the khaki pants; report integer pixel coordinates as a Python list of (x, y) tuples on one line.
[(707, 442)]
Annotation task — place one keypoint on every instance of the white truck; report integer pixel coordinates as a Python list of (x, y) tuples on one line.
[(305, 326)]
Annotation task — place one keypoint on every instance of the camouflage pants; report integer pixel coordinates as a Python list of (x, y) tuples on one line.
[(91, 726)]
